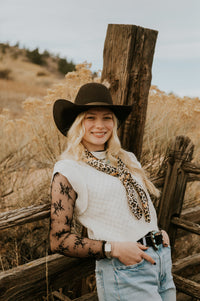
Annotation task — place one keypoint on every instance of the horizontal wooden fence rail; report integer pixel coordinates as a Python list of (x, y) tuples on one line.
[(193, 177), (87, 297), (193, 171), (186, 225), (29, 281), (187, 286), (182, 284), (192, 213), (24, 215), (190, 167), (34, 213), (186, 262)]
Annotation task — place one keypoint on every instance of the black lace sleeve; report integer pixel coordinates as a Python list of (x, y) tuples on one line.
[(62, 209)]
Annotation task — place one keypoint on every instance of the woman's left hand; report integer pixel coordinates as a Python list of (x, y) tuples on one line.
[(166, 241)]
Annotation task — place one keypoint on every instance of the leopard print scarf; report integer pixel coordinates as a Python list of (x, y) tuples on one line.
[(131, 185)]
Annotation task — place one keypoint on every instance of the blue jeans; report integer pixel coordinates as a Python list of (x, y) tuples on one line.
[(138, 282)]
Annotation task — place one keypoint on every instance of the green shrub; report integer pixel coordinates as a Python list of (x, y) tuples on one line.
[(35, 57), (64, 66), (17, 45), (46, 54)]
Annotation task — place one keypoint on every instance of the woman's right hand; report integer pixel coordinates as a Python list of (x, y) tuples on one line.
[(130, 253)]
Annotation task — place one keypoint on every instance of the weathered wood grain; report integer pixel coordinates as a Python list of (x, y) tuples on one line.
[(183, 263), (60, 296), (190, 167), (193, 177), (29, 281), (158, 181), (186, 225), (173, 193), (88, 297), (24, 215), (128, 56), (192, 214), (187, 286)]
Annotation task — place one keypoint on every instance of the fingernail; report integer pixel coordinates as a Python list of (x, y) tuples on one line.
[(154, 263)]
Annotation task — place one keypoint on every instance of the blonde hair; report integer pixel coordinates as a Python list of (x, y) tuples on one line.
[(75, 150)]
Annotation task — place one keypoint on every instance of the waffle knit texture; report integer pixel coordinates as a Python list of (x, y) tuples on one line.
[(101, 204)]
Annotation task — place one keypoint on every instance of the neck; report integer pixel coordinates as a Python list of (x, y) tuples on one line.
[(96, 148), (100, 150)]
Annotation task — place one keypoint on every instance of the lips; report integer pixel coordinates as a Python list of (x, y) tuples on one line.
[(99, 134)]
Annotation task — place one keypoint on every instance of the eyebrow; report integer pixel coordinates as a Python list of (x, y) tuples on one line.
[(90, 113)]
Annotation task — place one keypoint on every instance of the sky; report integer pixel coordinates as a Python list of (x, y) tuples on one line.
[(76, 30)]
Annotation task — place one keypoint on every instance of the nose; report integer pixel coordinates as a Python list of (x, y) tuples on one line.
[(99, 123)]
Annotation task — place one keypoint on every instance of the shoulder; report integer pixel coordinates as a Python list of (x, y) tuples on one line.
[(133, 158), (65, 163), (66, 167), (72, 170)]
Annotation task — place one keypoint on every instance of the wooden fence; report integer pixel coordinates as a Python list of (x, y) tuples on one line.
[(36, 278), (179, 172)]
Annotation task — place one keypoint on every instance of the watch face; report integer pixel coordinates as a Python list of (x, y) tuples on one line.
[(108, 249)]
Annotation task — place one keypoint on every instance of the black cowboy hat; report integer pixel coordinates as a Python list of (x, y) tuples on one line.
[(89, 96)]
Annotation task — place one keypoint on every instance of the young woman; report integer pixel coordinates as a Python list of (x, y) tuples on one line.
[(106, 189)]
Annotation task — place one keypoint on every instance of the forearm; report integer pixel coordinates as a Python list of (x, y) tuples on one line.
[(75, 246)]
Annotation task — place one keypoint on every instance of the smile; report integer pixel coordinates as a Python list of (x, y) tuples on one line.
[(99, 134)]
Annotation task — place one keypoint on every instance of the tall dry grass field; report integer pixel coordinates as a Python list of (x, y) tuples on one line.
[(167, 117), (31, 144)]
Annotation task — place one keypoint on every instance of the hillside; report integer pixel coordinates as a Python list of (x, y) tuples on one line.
[(20, 78)]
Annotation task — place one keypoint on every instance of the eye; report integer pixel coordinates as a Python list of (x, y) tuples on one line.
[(89, 117), (108, 117)]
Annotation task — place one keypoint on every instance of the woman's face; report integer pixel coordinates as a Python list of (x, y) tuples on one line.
[(98, 124)]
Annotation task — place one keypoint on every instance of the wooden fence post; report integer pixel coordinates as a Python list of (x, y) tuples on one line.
[(128, 56), (175, 184)]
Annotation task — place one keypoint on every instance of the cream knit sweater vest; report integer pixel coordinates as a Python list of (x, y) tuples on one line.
[(101, 205)]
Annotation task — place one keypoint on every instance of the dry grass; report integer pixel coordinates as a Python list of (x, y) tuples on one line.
[(14, 93), (33, 142), (21, 244), (167, 117)]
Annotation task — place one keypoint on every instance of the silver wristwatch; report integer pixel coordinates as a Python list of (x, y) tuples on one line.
[(108, 249)]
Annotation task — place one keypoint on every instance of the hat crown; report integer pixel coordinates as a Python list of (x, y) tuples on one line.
[(93, 92)]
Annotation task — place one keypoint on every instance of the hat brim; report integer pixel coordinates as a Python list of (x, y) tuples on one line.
[(65, 113)]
